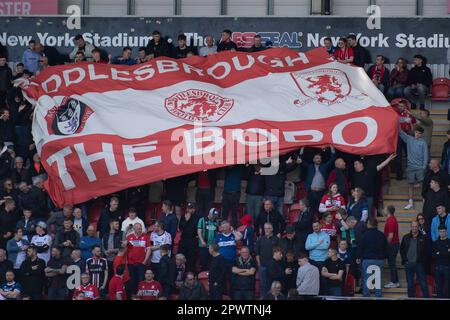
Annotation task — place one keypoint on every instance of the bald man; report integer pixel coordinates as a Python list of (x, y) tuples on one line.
[(339, 175)]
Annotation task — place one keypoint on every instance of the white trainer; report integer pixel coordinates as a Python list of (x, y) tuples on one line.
[(390, 285), (409, 206)]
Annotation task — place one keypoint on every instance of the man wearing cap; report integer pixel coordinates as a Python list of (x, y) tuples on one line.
[(42, 241), (207, 229), (291, 242), (188, 227)]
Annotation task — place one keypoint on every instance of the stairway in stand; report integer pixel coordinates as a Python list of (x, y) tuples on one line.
[(398, 197)]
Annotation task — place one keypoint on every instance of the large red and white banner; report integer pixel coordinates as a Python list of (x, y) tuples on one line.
[(102, 128)]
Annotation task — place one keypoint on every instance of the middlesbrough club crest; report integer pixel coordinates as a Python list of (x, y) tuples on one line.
[(327, 86), (198, 105), (68, 118)]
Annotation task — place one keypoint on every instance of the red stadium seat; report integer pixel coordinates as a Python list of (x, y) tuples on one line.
[(257, 284), (95, 211), (203, 278), (174, 297), (176, 242), (440, 89), (294, 212), (349, 286), (224, 297)]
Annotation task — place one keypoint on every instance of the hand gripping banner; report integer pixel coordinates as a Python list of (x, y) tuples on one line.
[(101, 128)]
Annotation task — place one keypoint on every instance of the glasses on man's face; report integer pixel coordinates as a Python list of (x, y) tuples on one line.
[(421, 218), (190, 279)]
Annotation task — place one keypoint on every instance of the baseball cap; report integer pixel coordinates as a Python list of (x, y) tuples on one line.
[(191, 205), (214, 212), (42, 224), (290, 229)]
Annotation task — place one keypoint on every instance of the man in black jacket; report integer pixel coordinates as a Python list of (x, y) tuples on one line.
[(5, 80), (5, 161), (441, 257), (167, 270), (217, 272), (111, 243), (269, 214), (275, 268), (433, 197), (361, 55), (274, 184), (158, 46), (188, 227), (419, 81), (33, 274), (434, 169), (291, 242), (67, 239), (372, 250), (192, 289), (264, 250), (255, 190), (9, 217), (109, 213), (226, 43), (38, 199), (243, 279), (414, 251), (303, 226)]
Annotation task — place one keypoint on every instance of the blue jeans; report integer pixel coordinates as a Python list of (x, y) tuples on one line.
[(263, 281), (57, 293), (442, 280), (335, 291), (392, 255), (136, 272), (411, 270), (370, 205), (393, 93), (230, 202), (382, 88), (364, 265), (244, 295), (421, 90), (254, 204), (278, 203), (401, 146)]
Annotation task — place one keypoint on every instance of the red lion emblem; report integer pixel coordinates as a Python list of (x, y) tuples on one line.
[(198, 105), (324, 83), (327, 86)]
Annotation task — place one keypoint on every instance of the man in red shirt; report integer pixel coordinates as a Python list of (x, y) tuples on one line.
[(149, 289), (138, 253), (391, 233), (90, 291), (116, 287), (407, 122)]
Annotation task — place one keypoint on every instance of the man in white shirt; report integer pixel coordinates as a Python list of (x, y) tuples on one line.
[(42, 241), (210, 48), (158, 238), (128, 223)]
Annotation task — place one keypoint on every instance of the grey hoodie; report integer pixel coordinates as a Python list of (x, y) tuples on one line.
[(417, 151)]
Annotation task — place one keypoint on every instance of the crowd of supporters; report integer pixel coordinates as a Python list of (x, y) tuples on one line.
[(324, 243)]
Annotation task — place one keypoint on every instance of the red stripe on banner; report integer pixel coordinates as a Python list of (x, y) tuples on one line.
[(85, 166), (223, 69)]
